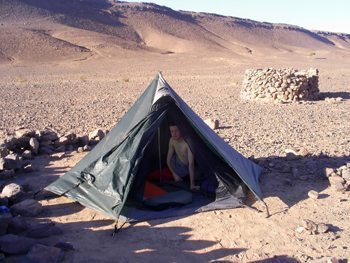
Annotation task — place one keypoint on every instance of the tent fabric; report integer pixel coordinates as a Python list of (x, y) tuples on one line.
[(118, 166)]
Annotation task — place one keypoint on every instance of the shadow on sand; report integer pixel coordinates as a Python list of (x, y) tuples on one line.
[(291, 178)]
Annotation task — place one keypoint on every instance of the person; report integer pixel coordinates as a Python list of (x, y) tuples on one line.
[(180, 159)]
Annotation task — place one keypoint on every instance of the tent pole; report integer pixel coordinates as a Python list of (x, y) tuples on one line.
[(159, 156)]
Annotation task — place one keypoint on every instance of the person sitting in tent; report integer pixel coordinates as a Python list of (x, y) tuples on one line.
[(180, 159)]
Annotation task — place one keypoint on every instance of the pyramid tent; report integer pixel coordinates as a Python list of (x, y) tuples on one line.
[(116, 170)]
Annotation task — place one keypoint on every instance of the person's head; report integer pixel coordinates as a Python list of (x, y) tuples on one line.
[(175, 131)]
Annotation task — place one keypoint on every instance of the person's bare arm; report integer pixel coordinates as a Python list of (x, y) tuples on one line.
[(171, 151)]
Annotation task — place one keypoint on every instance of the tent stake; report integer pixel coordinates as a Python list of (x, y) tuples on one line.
[(267, 209)]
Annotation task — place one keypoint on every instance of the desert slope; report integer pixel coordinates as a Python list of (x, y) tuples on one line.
[(52, 26)]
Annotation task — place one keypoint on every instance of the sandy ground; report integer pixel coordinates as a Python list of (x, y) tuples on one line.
[(83, 96)]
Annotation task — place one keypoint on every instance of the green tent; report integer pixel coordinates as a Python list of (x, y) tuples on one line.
[(111, 178)]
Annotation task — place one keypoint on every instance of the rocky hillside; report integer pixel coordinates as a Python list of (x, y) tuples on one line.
[(52, 30)]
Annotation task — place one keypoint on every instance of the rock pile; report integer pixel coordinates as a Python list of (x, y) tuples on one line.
[(339, 178), (280, 85), (21, 237), (25, 144)]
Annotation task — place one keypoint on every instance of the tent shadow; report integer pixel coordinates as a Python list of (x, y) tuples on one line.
[(291, 179), (277, 259), (140, 243)]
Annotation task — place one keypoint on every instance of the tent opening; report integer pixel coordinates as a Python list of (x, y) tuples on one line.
[(154, 194)]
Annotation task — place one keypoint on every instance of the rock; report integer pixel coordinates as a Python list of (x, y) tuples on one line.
[(13, 244), (13, 192), (61, 148), (313, 194), (34, 145), (28, 207), (2, 164), (346, 175), (328, 172), (339, 187), (213, 124), (5, 219), (28, 168), (97, 134), (22, 132), (80, 149), (335, 179), (84, 140), (303, 152), (65, 246), (7, 174), (27, 154), (46, 150), (17, 225), (43, 254), (300, 229), (322, 228), (13, 161), (86, 148), (310, 226), (3, 151), (43, 230)]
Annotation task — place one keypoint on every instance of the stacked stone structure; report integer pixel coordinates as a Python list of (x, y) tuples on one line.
[(280, 85)]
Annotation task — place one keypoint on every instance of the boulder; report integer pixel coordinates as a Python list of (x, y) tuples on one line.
[(13, 244), (28, 207), (5, 219), (43, 230), (13, 161), (3, 151), (84, 140), (13, 192), (17, 225), (97, 134), (22, 132), (43, 254)]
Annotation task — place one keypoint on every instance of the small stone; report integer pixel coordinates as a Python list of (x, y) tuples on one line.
[(22, 132), (3, 151), (27, 154), (300, 229), (80, 149), (13, 161), (328, 171), (84, 140), (322, 228), (303, 152), (213, 124), (28, 168), (86, 148), (313, 194), (34, 145)]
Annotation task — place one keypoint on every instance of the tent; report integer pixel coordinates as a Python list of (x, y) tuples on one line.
[(112, 177)]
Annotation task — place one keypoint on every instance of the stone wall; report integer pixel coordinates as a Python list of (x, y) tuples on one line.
[(280, 85)]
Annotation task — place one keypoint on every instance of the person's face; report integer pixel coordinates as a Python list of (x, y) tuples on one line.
[(175, 133)]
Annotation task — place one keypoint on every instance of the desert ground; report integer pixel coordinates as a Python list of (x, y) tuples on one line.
[(48, 83)]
